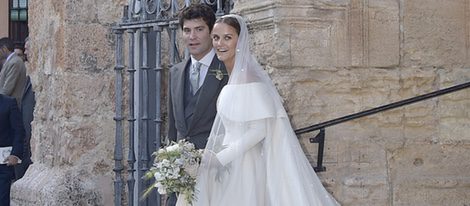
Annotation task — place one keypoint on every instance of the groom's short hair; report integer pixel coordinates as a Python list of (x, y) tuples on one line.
[(196, 11)]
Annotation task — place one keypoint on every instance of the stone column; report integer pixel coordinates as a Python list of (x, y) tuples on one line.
[(72, 66)]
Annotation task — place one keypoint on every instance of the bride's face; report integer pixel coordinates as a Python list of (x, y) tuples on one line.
[(224, 40)]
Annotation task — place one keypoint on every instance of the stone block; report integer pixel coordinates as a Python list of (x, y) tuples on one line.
[(383, 33), (364, 190), (430, 175), (373, 31), (77, 188), (435, 33)]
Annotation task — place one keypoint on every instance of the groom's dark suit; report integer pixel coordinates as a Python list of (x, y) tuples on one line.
[(11, 134), (191, 116)]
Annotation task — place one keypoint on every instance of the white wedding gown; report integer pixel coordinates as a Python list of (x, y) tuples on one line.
[(265, 165)]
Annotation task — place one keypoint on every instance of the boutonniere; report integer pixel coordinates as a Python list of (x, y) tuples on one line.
[(218, 73)]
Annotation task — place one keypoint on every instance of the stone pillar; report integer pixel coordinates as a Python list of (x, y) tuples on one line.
[(71, 67)]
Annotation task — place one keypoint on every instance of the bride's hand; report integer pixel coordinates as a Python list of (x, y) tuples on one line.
[(211, 161)]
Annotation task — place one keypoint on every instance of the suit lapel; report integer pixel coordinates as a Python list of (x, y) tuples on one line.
[(178, 82)]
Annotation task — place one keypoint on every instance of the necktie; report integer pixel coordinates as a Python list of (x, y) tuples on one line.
[(194, 77)]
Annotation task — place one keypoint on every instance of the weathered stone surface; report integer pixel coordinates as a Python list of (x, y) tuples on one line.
[(436, 33), (383, 33), (73, 186), (72, 67), (430, 174), (340, 33)]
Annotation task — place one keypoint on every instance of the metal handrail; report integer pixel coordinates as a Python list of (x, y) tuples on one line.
[(320, 138)]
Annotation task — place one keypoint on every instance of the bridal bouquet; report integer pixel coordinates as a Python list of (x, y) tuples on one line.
[(175, 169)]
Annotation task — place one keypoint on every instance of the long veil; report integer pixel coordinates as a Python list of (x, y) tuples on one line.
[(266, 164)]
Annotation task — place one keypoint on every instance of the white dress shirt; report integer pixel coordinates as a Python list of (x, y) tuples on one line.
[(206, 62)]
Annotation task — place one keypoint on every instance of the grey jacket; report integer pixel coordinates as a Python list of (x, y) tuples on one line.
[(13, 78), (198, 130)]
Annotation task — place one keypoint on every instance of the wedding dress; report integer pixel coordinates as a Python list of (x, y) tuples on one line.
[(265, 164), (253, 157)]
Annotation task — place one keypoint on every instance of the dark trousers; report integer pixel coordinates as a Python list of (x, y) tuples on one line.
[(171, 201), (6, 177)]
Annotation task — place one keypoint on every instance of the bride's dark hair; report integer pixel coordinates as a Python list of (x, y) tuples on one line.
[(231, 21)]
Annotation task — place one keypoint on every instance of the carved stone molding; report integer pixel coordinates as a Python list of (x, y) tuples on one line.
[(358, 33)]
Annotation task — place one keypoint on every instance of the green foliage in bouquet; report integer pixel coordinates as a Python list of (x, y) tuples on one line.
[(175, 169)]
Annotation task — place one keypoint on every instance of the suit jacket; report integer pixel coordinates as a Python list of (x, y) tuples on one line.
[(11, 125), (28, 103), (13, 78), (198, 130)]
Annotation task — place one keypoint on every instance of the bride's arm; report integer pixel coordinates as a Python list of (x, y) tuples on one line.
[(256, 131)]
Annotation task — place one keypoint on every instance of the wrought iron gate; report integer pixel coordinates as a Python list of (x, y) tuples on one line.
[(147, 35)]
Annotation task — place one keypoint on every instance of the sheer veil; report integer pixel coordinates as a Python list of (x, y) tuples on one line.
[(253, 139)]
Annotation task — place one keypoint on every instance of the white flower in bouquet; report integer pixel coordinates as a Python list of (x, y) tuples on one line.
[(172, 148), (175, 169), (191, 169)]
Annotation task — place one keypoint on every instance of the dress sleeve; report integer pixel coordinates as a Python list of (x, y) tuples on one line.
[(255, 133), (249, 105)]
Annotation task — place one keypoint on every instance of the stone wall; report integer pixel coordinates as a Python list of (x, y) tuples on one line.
[(328, 58), (4, 17), (72, 70)]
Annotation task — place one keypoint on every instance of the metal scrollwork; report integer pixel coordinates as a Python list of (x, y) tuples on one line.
[(209, 2), (151, 6), (178, 6), (164, 7), (135, 7), (151, 28)]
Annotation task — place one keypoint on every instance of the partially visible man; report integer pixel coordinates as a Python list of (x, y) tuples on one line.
[(20, 52), (196, 82), (28, 102), (26, 51), (11, 144), (13, 74)]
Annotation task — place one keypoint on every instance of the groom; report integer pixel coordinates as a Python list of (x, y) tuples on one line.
[(196, 82)]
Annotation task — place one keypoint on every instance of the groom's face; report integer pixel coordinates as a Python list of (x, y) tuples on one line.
[(196, 36)]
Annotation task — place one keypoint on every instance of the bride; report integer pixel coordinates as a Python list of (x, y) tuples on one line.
[(252, 156)]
